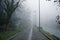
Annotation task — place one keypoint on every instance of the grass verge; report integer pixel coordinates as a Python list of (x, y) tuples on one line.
[(48, 35), (7, 34)]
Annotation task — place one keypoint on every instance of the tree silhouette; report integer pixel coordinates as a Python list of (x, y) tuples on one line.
[(7, 7), (10, 8)]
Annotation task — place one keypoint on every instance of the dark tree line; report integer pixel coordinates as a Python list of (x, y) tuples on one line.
[(7, 7)]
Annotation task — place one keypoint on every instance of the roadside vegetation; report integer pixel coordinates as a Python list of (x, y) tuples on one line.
[(48, 35), (7, 34), (7, 8)]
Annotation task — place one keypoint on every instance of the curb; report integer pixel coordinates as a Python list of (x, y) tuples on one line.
[(13, 36), (46, 36)]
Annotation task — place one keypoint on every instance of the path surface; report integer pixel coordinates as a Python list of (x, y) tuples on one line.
[(30, 34), (38, 35)]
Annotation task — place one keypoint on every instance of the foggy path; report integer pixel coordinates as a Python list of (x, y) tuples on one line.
[(47, 18), (22, 35), (25, 18), (30, 34), (36, 35)]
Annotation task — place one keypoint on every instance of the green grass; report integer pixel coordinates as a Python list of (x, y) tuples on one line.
[(50, 36), (7, 34)]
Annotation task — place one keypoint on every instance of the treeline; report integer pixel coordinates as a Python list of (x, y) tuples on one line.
[(7, 7)]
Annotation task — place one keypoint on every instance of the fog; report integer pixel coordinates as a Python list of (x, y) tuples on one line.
[(48, 12)]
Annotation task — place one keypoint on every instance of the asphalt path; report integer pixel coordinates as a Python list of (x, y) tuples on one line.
[(31, 33)]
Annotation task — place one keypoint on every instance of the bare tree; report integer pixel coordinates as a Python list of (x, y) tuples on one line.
[(6, 11)]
